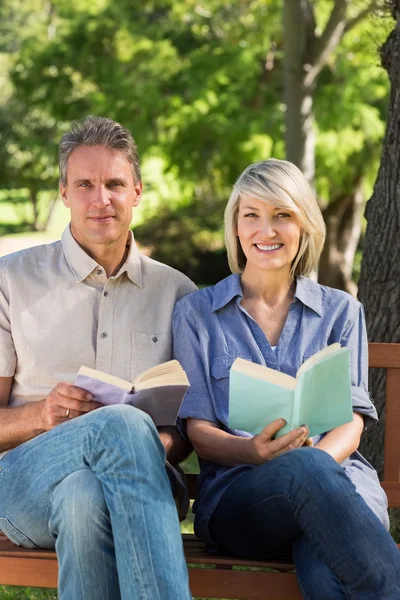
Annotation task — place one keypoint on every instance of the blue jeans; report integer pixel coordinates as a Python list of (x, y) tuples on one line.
[(96, 490), (303, 505)]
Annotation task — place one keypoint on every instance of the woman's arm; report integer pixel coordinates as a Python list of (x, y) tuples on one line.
[(216, 445), (344, 440)]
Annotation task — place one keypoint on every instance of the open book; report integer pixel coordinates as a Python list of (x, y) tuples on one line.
[(319, 396), (159, 391)]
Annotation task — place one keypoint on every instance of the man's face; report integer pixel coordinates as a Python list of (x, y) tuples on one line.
[(100, 194)]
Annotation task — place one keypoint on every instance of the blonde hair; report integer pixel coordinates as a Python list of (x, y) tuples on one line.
[(281, 184)]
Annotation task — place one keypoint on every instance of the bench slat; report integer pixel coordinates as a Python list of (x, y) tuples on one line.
[(383, 355), (392, 428), (244, 585), (38, 568)]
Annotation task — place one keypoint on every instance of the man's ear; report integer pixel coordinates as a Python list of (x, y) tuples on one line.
[(63, 194), (137, 194)]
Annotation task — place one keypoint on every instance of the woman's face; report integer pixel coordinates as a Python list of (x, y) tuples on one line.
[(269, 236)]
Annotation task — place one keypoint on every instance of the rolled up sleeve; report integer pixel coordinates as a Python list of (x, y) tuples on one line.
[(355, 338), (187, 350), (8, 357)]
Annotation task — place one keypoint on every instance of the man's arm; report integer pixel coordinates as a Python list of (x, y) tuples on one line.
[(176, 447), (19, 424), (22, 423)]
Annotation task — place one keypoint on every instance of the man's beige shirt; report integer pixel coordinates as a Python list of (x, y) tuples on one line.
[(59, 311)]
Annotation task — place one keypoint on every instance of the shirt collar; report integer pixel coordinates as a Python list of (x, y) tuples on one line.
[(82, 265), (226, 290), (307, 291)]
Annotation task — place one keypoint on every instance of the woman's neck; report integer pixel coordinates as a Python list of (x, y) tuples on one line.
[(269, 288)]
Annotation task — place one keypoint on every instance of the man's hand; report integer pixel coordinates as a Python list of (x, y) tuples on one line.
[(266, 448), (64, 402)]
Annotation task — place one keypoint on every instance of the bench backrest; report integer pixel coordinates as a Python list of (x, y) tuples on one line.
[(386, 356)]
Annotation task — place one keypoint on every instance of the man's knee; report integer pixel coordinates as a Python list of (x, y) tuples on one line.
[(77, 504), (123, 417)]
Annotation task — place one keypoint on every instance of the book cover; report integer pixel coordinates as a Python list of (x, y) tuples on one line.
[(319, 396), (159, 391)]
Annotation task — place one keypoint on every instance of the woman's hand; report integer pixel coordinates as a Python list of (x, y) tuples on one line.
[(265, 447), (213, 444)]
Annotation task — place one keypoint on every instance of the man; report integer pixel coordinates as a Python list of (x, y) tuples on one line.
[(85, 479)]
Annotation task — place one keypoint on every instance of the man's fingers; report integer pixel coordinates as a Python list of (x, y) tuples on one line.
[(85, 407), (70, 391)]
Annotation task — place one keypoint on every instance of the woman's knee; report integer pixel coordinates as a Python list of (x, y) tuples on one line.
[(303, 467)]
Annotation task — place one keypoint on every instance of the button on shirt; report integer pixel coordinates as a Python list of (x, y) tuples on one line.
[(211, 329), (59, 311)]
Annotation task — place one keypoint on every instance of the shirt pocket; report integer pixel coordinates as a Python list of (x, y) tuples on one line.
[(310, 352), (148, 350), (220, 367)]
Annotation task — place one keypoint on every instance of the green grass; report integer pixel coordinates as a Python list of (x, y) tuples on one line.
[(16, 215), (18, 593)]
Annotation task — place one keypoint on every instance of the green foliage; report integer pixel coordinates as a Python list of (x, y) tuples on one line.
[(200, 85)]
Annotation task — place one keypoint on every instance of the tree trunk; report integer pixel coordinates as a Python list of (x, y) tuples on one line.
[(343, 227), (299, 26), (49, 214), (379, 288), (34, 200), (306, 53)]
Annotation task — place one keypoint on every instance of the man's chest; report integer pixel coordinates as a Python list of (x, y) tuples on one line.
[(113, 328)]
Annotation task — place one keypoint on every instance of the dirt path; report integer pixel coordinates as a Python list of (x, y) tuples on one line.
[(13, 243)]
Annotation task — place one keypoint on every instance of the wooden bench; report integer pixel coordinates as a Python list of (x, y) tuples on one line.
[(217, 576)]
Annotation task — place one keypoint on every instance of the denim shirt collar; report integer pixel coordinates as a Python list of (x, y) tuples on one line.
[(308, 292)]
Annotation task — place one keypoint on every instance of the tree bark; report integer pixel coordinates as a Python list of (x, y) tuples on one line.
[(379, 288), (299, 27), (306, 53), (343, 228)]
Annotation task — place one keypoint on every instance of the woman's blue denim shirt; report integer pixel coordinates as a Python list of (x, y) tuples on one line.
[(211, 329)]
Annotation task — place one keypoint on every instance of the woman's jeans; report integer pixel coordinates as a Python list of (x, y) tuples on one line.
[(95, 488), (302, 504)]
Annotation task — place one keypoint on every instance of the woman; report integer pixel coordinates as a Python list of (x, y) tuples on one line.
[(261, 497)]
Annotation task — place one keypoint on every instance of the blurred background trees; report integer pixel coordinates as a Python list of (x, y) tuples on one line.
[(206, 87)]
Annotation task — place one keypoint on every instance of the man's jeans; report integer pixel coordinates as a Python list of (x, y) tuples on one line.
[(95, 488), (303, 504)]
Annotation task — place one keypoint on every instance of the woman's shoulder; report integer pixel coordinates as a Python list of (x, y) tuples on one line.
[(328, 299), (204, 300)]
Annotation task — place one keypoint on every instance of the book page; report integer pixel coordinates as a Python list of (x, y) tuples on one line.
[(264, 373), (318, 356), (323, 394), (167, 373)]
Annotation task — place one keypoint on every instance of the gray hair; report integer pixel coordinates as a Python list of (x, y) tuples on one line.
[(93, 131), (281, 184)]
